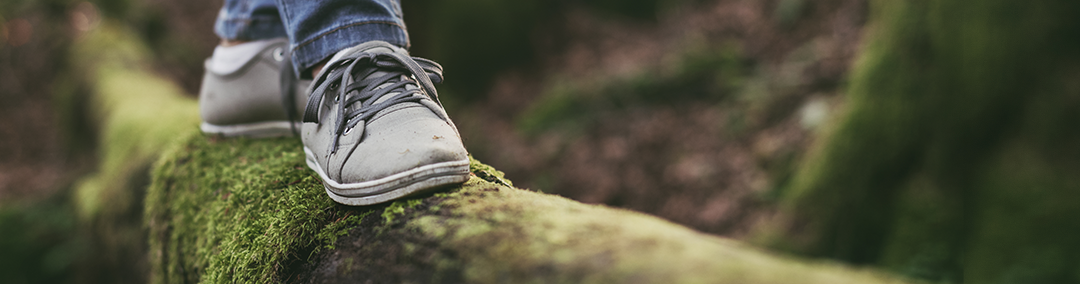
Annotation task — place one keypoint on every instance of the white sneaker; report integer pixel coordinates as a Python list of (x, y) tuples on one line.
[(241, 91), (374, 129)]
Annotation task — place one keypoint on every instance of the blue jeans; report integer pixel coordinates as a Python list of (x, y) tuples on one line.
[(316, 29)]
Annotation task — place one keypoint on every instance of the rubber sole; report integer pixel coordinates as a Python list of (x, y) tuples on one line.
[(415, 181), (252, 130)]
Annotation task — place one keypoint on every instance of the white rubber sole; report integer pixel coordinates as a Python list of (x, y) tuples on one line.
[(252, 130), (414, 181)]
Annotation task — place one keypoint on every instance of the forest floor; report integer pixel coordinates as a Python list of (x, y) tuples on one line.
[(713, 102), (626, 108)]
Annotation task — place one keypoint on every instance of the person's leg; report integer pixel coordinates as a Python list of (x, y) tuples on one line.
[(248, 20), (373, 129), (318, 29)]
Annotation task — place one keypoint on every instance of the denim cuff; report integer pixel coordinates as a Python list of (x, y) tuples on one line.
[(308, 53), (249, 29)]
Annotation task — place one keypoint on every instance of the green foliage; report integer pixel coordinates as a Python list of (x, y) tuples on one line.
[(788, 11), (125, 97), (476, 39), (40, 242), (479, 39), (647, 10)]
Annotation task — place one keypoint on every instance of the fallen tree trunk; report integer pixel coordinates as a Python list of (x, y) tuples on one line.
[(249, 210), (240, 210)]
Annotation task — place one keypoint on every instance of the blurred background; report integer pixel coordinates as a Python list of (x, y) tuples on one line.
[(949, 155), (691, 110)]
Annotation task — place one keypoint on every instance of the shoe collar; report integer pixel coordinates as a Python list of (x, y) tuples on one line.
[(229, 60)]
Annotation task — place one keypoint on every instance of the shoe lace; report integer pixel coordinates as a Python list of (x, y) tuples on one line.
[(399, 71), (288, 90)]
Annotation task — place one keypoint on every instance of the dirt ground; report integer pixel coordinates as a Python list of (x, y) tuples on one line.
[(711, 164)]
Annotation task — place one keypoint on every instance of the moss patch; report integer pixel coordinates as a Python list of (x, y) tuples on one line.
[(238, 210), (397, 208), (955, 159), (487, 233), (138, 115), (126, 98)]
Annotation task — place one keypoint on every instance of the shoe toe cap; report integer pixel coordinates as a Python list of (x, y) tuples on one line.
[(401, 145)]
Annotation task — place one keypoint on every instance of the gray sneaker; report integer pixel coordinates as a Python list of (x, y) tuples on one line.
[(374, 129), (246, 99)]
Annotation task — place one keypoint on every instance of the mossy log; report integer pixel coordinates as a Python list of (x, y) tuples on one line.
[(237, 210), (249, 211), (955, 157)]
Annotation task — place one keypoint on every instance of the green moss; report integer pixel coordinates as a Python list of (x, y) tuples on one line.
[(126, 97), (248, 207), (499, 234), (488, 173), (238, 210), (137, 115), (1027, 233), (950, 162), (397, 208)]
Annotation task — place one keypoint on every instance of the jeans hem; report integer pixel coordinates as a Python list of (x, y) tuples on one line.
[(249, 29), (309, 52)]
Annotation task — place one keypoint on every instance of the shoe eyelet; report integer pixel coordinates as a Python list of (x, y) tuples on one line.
[(347, 130), (279, 54)]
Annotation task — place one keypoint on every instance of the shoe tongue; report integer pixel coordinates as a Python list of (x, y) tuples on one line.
[(375, 47)]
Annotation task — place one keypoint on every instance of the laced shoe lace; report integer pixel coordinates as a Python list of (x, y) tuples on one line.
[(362, 98)]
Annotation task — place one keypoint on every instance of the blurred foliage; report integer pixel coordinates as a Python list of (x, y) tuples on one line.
[(44, 129), (788, 11), (955, 157), (109, 201), (40, 242), (476, 40), (34, 67), (702, 75), (955, 160)]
